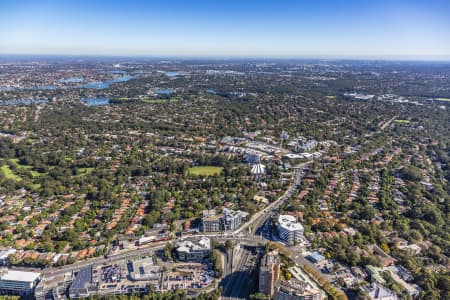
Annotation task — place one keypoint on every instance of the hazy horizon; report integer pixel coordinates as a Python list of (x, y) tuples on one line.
[(444, 59), (325, 29)]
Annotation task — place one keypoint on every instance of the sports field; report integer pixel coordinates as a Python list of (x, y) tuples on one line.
[(205, 170)]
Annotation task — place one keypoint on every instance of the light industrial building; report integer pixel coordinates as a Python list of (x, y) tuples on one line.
[(289, 230)]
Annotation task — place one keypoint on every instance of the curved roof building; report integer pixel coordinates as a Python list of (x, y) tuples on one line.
[(289, 230), (258, 169)]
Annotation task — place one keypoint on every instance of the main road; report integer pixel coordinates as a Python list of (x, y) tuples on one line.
[(142, 251), (261, 216)]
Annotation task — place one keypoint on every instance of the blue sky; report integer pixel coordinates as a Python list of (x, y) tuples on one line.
[(241, 28)]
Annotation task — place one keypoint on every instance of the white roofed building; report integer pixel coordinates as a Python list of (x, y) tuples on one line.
[(145, 269), (18, 282), (189, 251), (289, 230), (258, 169), (4, 254)]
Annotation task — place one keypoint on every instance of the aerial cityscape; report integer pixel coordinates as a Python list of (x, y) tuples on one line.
[(234, 169)]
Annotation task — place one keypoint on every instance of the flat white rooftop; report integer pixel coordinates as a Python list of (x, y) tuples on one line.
[(20, 276), (289, 223)]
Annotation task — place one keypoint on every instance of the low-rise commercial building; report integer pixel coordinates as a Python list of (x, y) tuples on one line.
[(81, 283), (295, 290), (315, 257), (53, 287), (18, 282), (145, 269), (189, 251), (378, 292)]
